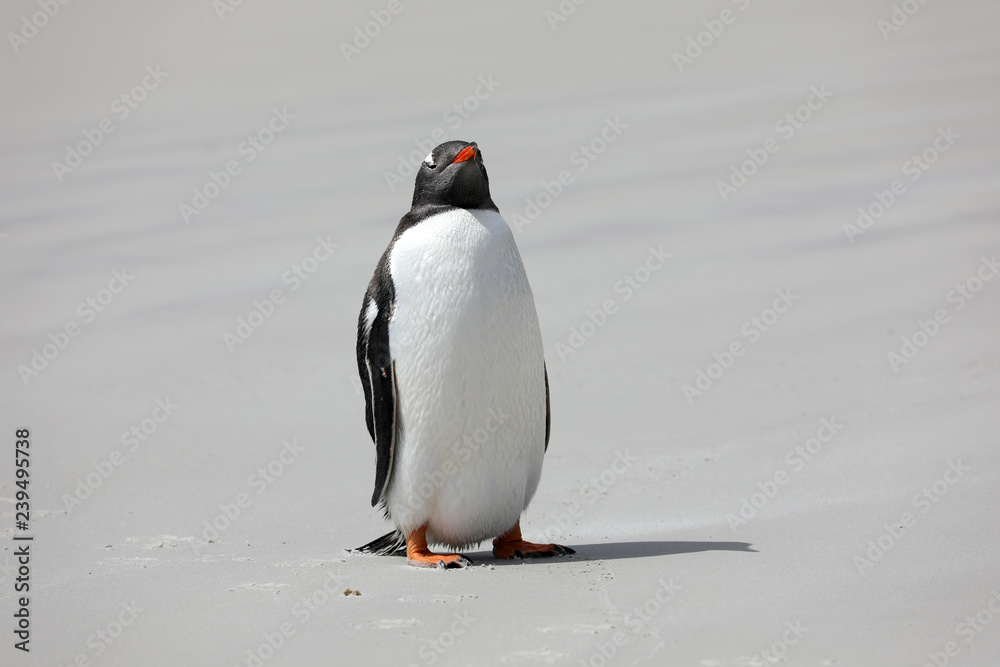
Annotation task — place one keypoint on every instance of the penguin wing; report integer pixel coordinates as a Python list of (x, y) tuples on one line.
[(378, 374), (548, 408)]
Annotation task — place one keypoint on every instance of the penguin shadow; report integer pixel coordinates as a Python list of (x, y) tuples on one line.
[(618, 551)]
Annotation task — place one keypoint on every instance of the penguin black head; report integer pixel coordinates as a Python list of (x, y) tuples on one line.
[(453, 175)]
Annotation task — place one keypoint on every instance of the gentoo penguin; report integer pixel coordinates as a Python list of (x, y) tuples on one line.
[(450, 356)]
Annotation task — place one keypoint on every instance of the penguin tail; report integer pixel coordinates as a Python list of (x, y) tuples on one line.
[(390, 544)]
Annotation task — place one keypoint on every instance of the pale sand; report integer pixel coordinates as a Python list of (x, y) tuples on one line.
[(659, 569)]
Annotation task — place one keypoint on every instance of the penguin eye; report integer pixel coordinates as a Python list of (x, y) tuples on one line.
[(429, 161)]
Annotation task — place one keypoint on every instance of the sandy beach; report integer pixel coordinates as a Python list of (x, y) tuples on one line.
[(762, 239)]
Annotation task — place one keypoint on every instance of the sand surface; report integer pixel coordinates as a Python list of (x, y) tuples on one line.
[(774, 425)]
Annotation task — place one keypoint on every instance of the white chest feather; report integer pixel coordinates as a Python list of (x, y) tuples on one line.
[(467, 352)]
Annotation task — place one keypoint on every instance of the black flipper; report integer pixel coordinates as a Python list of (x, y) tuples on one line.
[(548, 408), (390, 544), (377, 372)]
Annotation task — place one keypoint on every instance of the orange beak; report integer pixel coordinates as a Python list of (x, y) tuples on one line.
[(467, 153)]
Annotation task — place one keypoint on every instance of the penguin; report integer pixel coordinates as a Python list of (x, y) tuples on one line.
[(451, 361)]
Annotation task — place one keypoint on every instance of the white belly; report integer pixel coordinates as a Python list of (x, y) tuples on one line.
[(468, 358)]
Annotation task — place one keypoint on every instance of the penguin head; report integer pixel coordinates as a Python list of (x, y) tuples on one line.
[(453, 174)]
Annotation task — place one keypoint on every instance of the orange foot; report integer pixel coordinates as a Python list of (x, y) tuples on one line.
[(419, 555), (510, 545)]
